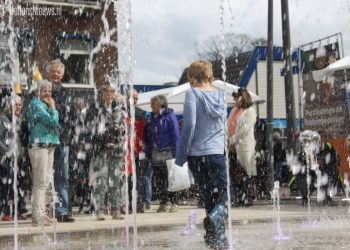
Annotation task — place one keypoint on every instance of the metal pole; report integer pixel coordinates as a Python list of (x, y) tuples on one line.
[(300, 89), (288, 78), (257, 89), (342, 44), (269, 106)]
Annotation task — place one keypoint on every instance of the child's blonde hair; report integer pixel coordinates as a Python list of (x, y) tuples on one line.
[(201, 71)]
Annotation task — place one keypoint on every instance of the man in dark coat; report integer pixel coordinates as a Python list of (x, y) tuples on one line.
[(55, 70), (329, 162)]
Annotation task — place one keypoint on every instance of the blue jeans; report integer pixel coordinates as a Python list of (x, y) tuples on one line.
[(209, 171), (278, 171), (148, 183), (61, 179)]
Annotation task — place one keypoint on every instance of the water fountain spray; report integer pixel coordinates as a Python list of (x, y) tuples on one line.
[(310, 140), (223, 65), (125, 62), (191, 227), (347, 189), (9, 3), (277, 214)]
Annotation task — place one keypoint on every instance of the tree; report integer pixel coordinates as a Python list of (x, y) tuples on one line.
[(233, 45)]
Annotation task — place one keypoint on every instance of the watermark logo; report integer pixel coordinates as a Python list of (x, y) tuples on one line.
[(30, 10)]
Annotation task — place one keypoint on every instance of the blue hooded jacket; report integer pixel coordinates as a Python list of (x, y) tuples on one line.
[(162, 132), (204, 125)]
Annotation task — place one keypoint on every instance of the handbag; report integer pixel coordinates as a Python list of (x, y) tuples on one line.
[(159, 156), (179, 178)]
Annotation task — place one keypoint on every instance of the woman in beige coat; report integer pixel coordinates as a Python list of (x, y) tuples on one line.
[(241, 135)]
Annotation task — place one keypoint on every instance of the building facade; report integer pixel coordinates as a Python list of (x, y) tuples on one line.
[(66, 29)]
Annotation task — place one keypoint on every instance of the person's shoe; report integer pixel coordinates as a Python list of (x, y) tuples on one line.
[(215, 236), (248, 202), (200, 204), (123, 210), (45, 224), (173, 208), (116, 215), (88, 211), (65, 218), (46, 221), (49, 219), (23, 211), (304, 202), (209, 236), (100, 216), (148, 206), (22, 216), (235, 204), (162, 208), (7, 218), (140, 208), (84, 210)]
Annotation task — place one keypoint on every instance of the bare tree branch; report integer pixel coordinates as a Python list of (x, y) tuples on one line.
[(233, 45)]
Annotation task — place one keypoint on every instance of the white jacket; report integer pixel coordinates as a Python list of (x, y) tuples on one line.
[(244, 140)]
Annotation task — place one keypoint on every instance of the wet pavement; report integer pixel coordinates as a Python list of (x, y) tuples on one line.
[(255, 227)]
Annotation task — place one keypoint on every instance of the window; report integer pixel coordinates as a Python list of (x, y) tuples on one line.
[(69, 1), (74, 52), (5, 59), (26, 45), (89, 4), (7, 67), (83, 1)]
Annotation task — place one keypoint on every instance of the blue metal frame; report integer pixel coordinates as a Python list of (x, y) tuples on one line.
[(260, 53)]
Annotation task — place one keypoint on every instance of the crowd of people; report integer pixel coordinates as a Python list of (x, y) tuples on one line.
[(70, 152)]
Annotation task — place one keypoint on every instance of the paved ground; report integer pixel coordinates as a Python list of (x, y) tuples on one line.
[(164, 230), (150, 218)]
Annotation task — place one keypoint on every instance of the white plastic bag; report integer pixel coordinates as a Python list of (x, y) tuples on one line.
[(178, 177)]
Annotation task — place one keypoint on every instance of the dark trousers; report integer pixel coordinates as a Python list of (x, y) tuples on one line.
[(278, 171), (302, 185), (6, 186), (238, 176), (160, 173), (209, 171), (61, 163), (140, 183)]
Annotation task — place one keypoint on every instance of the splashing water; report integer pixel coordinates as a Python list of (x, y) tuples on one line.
[(191, 227), (125, 62), (223, 62), (277, 216), (9, 3), (347, 189), (310, 140)]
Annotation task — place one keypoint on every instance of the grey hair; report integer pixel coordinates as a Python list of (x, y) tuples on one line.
[(54, 62), (77, 99), (18, 99), (161, 100), (41, 84)]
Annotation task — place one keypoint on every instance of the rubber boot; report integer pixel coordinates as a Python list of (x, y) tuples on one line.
[(215, 236)]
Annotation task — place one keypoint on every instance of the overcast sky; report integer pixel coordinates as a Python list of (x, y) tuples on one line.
[(165, 31)]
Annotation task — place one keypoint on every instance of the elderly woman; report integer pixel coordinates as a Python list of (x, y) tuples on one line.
[(7, 160), (241, 134), (109, 148), (162, 137), (43, 138)]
